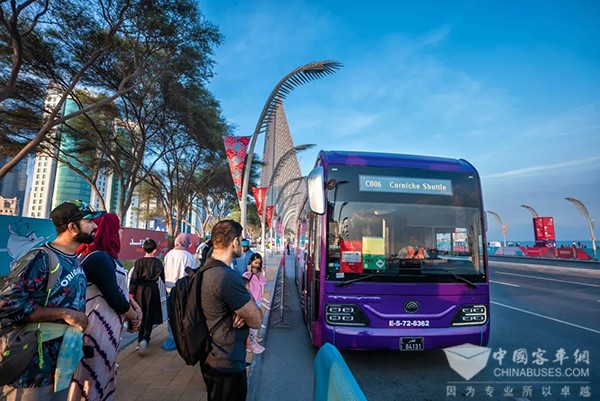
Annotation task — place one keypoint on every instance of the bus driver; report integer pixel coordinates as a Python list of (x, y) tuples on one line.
[(413, 250)]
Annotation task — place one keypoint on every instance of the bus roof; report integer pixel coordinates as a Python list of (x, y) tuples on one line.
[(349, 158)]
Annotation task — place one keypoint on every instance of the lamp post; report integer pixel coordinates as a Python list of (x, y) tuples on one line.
[(533, 212), (299, 76), (499, 220), (583, 210)]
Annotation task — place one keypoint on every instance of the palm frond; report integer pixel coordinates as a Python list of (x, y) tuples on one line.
[(531, 210), (300, 76), (285, 185), (285, 157), (497, 216), (580, 206)]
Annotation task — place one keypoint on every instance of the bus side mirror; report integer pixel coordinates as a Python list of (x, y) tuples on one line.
[(316, 190)]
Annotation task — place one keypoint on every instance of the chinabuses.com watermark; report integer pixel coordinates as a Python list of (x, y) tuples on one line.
[(554, 374)]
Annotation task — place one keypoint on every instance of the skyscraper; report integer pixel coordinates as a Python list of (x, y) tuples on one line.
[(278, 140)]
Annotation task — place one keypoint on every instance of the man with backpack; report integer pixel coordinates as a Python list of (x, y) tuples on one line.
[(229, 311), (25, 298)]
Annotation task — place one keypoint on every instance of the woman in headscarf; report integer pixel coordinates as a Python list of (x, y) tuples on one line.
[(176, 261), (108, 306)]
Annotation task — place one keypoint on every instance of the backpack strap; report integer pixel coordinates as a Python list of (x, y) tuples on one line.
[(53, 275)]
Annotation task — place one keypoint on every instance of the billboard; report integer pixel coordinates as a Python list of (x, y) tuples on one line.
[(543, 230)]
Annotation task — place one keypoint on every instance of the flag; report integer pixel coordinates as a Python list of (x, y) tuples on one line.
[(269, 215), (235, 147), (259, 198)]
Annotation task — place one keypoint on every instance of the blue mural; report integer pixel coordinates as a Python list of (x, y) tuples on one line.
[(20, 234)]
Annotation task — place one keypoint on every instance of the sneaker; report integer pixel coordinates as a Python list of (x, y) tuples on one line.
[(143, 347), (256, 348)]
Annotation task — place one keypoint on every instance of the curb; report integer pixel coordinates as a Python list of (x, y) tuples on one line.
[(255, 369)]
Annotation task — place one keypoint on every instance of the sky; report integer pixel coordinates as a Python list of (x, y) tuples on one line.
[(512, 87)]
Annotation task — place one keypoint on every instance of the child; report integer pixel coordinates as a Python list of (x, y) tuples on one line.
[(256, 285)]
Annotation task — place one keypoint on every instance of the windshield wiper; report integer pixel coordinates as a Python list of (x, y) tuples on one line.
[(353, 280), (456, 276)]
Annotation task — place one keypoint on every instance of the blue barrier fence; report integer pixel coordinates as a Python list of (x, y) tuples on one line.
[(333, 379)]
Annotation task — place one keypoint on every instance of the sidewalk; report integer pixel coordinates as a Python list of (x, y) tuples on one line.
[(162, 375)]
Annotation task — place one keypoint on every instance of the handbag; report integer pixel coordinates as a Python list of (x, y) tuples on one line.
[(19, 342)]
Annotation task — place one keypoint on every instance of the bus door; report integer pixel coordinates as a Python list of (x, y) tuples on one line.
[(311, 285)]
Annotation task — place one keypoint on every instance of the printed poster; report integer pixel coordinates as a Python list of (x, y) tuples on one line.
[(20, 234), (373, 249), (351, 256)]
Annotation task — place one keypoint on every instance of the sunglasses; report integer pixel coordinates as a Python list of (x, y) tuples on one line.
[(84, 210)]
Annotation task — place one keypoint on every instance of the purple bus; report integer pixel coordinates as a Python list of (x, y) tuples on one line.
[(390, 252)]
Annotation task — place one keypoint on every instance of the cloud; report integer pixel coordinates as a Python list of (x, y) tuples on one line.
[(578, 122), (435, 36), (543, 168)]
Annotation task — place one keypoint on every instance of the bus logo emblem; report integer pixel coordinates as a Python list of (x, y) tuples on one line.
[(411, 306)]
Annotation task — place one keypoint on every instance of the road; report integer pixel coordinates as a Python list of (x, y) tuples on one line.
[(537, 311)]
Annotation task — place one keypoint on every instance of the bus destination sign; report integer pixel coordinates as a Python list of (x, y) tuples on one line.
[(405, 185)]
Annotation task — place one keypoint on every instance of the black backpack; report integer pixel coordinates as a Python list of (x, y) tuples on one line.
[(186, 318)]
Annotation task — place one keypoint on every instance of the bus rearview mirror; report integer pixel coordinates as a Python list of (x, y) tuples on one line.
[(316, 190)]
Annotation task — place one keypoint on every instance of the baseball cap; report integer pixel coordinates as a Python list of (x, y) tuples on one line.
[(245, 242), (72, 211)]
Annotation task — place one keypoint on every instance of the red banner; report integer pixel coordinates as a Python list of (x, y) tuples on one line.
[(259, 198), (269, 215), (235, 147)]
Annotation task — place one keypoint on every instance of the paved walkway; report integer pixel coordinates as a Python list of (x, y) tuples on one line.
[(162, 375)]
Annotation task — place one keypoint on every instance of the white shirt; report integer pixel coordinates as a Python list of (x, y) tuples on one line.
[(176, 260)]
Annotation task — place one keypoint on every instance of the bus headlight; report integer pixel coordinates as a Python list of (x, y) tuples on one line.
[(469, 315), (347, 314)]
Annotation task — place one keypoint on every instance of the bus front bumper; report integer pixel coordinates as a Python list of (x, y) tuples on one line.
[(355, 337)]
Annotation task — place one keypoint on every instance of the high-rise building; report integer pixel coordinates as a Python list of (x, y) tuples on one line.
[(53, 182), (12, 189), (278, 140), (50, 182)]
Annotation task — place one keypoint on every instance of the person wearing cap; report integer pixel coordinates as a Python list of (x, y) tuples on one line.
[(24, 298), (241, 264)]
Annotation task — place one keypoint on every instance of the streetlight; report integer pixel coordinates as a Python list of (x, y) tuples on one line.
[(534, 214), (301, 75), (499, 220), (583, 210)]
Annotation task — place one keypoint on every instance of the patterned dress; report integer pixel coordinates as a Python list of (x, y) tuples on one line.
[(95, 378)]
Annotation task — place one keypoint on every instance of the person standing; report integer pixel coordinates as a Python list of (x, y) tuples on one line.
[(107, 306), (230, 311), (24, 298), (241, 264), (256, 285), (175, 262), (200, 250), (143, 287)]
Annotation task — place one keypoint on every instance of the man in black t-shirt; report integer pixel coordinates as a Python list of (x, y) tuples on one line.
[(230, 311)]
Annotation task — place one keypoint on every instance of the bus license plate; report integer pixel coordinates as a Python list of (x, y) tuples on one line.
[(411, 344)]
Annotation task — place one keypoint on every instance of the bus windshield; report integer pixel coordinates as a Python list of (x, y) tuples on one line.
[(404, 238)]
